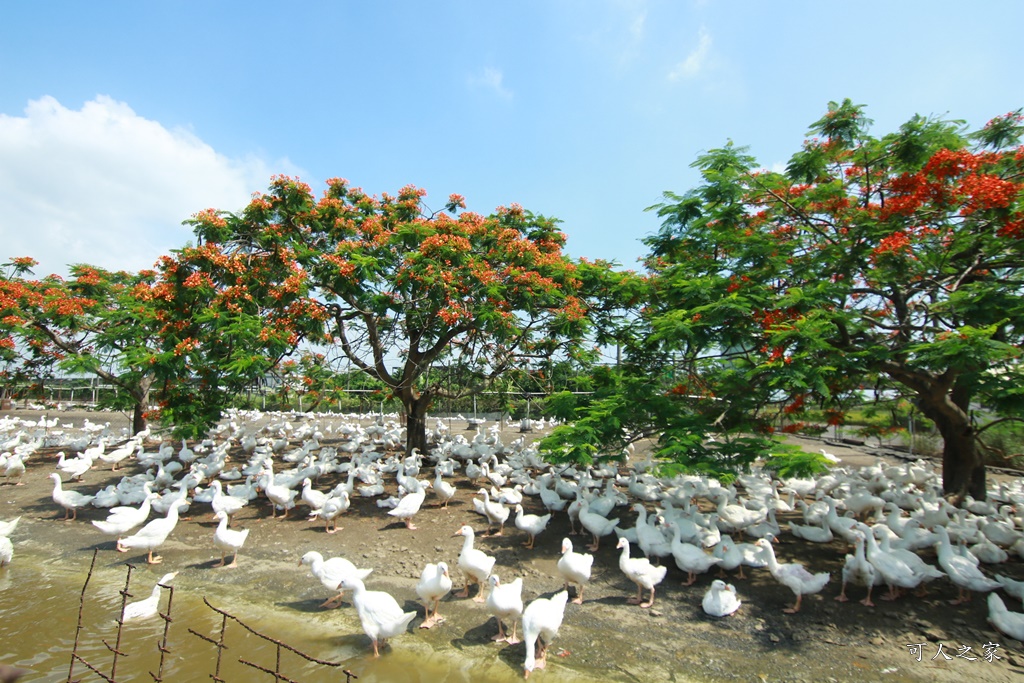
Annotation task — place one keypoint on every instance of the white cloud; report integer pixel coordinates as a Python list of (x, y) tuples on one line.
[(696, 61), (491, 79), (106, 186)]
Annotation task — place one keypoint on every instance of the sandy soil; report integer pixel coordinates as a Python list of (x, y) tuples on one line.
[(603, 639)]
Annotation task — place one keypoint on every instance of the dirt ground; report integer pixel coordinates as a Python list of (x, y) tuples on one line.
[(603, 639)]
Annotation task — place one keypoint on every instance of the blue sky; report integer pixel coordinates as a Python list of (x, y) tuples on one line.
[(118, 120)]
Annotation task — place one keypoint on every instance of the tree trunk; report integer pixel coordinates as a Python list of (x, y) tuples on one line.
[(141, 396), (415, 405), (963, 468)]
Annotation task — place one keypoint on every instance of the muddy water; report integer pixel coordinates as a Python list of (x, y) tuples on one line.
[(39, 601)]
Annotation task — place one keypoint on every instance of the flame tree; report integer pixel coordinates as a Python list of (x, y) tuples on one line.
[(401, 290), (95, 322), (895, 257)]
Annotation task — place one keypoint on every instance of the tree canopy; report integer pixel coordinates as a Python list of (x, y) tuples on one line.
[(402, 289), (892, 259)]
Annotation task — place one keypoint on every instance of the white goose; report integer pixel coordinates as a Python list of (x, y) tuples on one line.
[(379, 613), (476, 565), (123, 518), (330, 572), (857, 570), (69, 500), (228, 540), (531, 524), (597, 525), (505, 602), (575, 568), (640, 571), (690, 558), (541, 620), (410, 503), (495, 512), (148, 607), (222, 502), (151, 536), (792, 575), (1006, 622), (435, 583), (443, 489), (961, 571), (720, 599)]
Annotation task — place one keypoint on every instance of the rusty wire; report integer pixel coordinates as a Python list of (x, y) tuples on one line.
[(78, 628)]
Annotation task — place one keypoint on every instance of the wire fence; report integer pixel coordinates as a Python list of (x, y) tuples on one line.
[(107, 671)]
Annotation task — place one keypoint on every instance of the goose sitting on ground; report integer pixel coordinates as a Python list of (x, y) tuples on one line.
[(434, 584), (505, 602), (330, 572), (792, 575), (228, 540), (151, 536), (640, 571), (531, 524), (1006, 622), (476, 565), (379, 613), (720, 600), (148, 607), (541, 620), (69, 500), (575, 568)]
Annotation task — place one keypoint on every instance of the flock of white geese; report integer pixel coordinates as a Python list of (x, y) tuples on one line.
[(886, 514)]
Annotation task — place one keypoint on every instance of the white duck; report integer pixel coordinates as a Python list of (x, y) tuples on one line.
[(720, 599), (640, 571), (228, 540), (410, 503), (69, 500), (575, 568), (541, 620), (505, 602), (476, 565), (280, 496), (330, 572), (653, 543), (380, 614), (961, 571), (151, 536), (148, 607), (1006, 622), (435, 583), (792, 575), (531, 524)]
